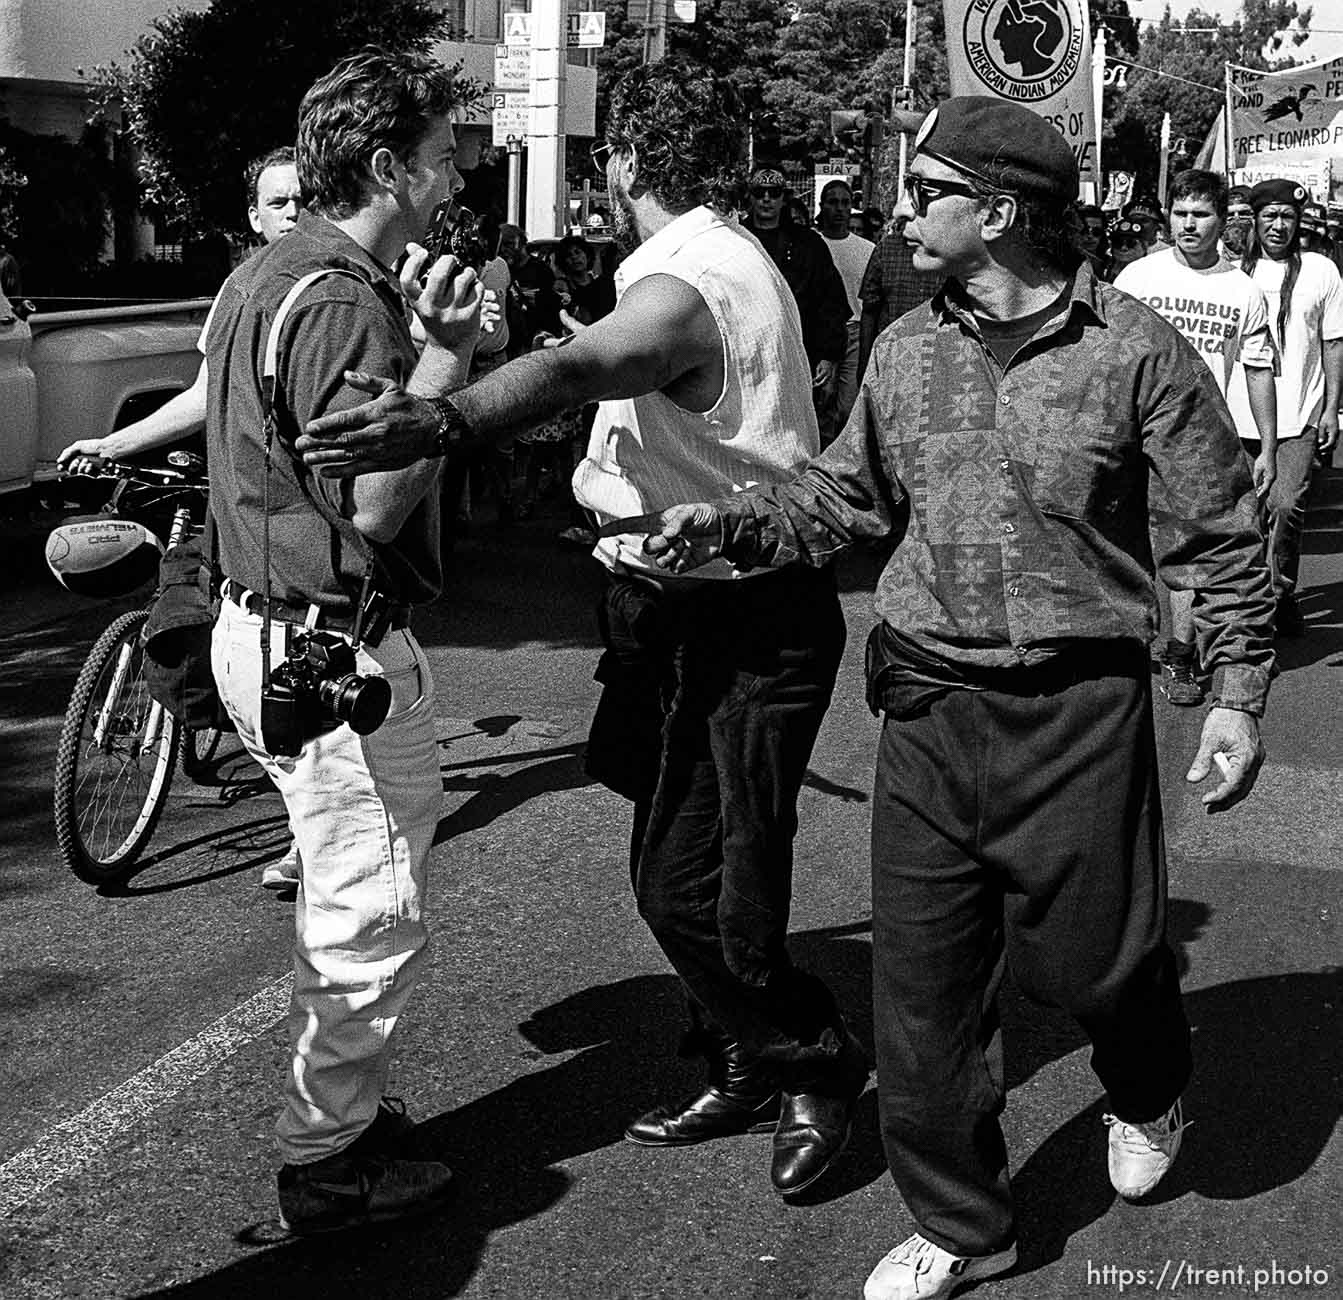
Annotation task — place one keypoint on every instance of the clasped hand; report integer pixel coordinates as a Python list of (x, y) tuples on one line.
[(679, 538)]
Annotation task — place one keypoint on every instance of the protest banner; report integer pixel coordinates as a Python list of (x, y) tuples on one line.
[(1033, 52)]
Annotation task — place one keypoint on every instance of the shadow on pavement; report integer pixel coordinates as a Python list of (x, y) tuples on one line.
[(1267, 1055), (619, 1044), (212, 856), (496, 794), (1263, 1099), (1322, 611)]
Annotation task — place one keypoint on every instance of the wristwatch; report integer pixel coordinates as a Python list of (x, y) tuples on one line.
[(452, 424)]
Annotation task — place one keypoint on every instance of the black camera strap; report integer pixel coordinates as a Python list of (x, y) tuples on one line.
[(269, 387)]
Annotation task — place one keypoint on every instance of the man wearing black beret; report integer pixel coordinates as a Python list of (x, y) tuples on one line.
[(1305, 312), (1013, 435)]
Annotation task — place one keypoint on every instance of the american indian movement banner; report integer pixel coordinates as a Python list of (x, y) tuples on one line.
[(1033, 52)]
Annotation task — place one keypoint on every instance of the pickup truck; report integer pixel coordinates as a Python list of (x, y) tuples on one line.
[(81, 374)]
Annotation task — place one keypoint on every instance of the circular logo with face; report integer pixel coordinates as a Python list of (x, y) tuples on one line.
[(1026, 50)]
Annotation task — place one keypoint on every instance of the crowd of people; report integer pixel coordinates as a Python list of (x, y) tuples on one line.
[(1045, 449)]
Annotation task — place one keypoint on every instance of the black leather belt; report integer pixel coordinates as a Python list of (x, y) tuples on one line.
[(250, 602), (676, 585)]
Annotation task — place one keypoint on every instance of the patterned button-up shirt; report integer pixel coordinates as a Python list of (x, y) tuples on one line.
[(1035, 502)]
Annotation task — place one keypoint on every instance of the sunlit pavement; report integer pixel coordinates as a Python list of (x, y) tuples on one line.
[(547, 1016)]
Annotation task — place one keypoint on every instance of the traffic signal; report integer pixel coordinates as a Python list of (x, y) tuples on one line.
[(856, 131), (848, 129)]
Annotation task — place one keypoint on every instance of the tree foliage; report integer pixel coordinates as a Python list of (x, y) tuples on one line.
[(54, 199), (12, 182), (736, 38), (203, 93), (1195, 50)]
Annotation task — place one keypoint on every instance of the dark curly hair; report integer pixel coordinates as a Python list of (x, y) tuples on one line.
[(1196, 184), (1040, 225), (685, 127), (374, 99), (567, 245)]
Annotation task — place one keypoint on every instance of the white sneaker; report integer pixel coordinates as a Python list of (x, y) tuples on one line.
[(1140, 1154), (283, 874), (919, 1270)]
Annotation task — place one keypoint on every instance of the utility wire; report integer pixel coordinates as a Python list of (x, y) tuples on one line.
[(1156, 72)]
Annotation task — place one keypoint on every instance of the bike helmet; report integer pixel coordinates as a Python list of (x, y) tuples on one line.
[(100, 556)]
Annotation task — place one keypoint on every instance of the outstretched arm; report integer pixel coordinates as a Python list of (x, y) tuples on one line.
[(661, 332)]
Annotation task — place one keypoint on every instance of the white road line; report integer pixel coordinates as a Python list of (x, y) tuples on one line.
[(74, 1142)]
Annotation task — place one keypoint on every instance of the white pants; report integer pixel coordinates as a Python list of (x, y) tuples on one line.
[(364, 810)]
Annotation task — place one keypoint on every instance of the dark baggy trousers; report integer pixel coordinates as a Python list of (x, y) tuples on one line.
[(713, 695), (1025, 827)]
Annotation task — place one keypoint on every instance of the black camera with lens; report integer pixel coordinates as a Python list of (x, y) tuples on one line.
[(316, 689), (452, 229)]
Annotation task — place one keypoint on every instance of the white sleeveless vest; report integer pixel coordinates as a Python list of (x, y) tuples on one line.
[(646, 453)]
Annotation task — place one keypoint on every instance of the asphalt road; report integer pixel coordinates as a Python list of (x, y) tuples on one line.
[(141, 1045)]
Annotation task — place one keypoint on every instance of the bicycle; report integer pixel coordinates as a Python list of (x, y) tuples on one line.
[(119, 747)]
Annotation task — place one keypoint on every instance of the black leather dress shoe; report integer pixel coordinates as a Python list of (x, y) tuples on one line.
[(711, 1114), (814, 1124), (740, 1099)]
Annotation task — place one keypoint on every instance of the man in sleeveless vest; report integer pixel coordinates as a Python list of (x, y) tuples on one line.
[(714, 687)]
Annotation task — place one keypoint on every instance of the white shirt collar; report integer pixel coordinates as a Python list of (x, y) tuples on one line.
[(657, 248)]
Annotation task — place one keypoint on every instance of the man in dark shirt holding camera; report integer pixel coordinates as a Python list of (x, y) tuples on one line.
[(341, 561)]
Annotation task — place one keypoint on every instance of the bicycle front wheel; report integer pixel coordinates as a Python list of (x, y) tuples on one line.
[(115, 761)]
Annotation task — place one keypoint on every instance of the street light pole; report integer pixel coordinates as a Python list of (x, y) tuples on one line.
[(655, 31), (514, 181), (547, 208)]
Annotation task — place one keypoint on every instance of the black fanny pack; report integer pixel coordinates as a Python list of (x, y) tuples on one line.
[(903, 680)]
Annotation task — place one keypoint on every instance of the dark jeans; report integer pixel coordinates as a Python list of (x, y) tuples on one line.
[(1025, 828), (1286, 506), (713, 696)]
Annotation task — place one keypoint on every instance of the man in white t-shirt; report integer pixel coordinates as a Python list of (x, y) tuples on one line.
[(1305, 312), (274, 202), (851, 254), (1222, 314)]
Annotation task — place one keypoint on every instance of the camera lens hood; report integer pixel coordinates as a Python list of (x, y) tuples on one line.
[(365, 705)]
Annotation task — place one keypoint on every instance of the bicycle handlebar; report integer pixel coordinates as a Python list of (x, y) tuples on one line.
[(154, 476)]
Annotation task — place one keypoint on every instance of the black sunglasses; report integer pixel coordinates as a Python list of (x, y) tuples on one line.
[(923, 191), (767, 192), (600, 154)]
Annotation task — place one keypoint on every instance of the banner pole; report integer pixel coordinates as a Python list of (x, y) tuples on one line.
[(906, 85), (1098, 102), (1230, 133)]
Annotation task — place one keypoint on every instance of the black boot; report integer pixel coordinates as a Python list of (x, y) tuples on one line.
[(816, 1117), (740, 1098)]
